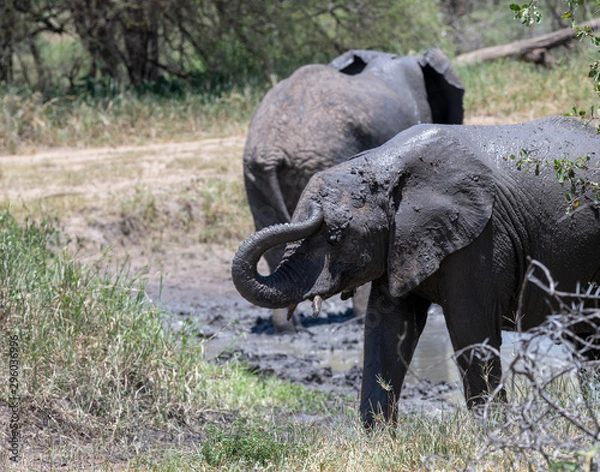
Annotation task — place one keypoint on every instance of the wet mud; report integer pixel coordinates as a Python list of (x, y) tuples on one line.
[(325, 354)]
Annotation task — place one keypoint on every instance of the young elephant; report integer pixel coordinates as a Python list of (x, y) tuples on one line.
[(323, 114), (437, 214)]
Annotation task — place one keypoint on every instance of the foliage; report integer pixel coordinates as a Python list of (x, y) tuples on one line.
[(156, 46), (566, 169), (528, 14), (578, 189), (210, 43), (96, 361)]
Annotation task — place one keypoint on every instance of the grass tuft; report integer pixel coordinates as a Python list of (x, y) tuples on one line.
[(97, 366)]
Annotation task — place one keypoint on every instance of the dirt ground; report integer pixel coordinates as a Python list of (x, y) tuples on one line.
[(101, 197)]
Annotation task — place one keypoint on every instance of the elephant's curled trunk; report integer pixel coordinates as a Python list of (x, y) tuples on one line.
[(281, 288)]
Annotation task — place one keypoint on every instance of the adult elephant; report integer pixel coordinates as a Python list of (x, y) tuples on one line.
[(323, 114), (436, 215)]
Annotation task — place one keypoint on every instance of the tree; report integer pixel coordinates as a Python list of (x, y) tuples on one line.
[(132, 42), (21, 23), (121, 37)]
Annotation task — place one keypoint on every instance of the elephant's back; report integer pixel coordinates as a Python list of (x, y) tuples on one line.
[(547, 138), (321, 105)]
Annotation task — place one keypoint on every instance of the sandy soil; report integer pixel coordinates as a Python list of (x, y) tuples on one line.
[(92, 191)]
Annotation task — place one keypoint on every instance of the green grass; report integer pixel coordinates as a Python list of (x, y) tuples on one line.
[(497, 92), (97, 366), (508, 91)]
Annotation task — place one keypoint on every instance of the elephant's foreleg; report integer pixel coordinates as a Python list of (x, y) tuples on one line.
[(392, 328)]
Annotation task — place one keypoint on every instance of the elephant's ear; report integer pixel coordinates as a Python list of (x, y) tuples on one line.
[(443, 200), (354, 61), (444, 89)]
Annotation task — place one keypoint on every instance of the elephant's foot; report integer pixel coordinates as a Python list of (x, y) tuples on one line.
[(281, 323)]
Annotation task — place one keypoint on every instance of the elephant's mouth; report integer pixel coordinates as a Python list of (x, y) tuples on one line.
[(317, 301)]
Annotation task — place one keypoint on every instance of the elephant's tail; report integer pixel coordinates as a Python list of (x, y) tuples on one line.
[(266, 198), (276, 195)]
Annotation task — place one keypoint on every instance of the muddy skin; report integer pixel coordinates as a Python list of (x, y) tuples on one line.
[(437, 215), (324, 114)]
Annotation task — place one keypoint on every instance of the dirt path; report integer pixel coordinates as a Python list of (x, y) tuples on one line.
[(140, 201)]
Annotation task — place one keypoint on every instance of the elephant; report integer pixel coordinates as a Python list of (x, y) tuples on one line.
[(438, 214), (323, 114)]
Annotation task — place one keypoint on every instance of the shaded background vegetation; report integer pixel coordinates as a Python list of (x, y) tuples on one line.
[(91, 72), (65, 46)]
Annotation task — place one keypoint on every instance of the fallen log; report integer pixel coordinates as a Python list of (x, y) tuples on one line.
[(533, 50)]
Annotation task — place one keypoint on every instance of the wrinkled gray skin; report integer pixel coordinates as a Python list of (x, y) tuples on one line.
[(436, 215), (324, 114)]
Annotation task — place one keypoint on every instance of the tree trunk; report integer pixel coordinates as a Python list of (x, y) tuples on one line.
[(533, 50), (96, 26), (7, 19), (140, 33)]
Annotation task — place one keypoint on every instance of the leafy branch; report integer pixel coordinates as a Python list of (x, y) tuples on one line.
[(566, 169), (567, 174), (527, 14)]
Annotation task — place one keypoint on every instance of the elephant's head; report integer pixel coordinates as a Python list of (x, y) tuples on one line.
[(433, 71), (399, 210), (326, 251)]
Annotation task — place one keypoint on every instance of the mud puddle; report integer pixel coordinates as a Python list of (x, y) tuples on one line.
[(326, 354)]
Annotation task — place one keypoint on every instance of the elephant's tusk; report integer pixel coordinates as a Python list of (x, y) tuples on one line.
[(316, 305), (291, 310)]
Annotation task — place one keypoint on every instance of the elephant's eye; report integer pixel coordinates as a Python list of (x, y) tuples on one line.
[(334, 236)]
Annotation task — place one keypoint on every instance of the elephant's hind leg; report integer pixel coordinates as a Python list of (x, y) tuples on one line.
[(477, 348)]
